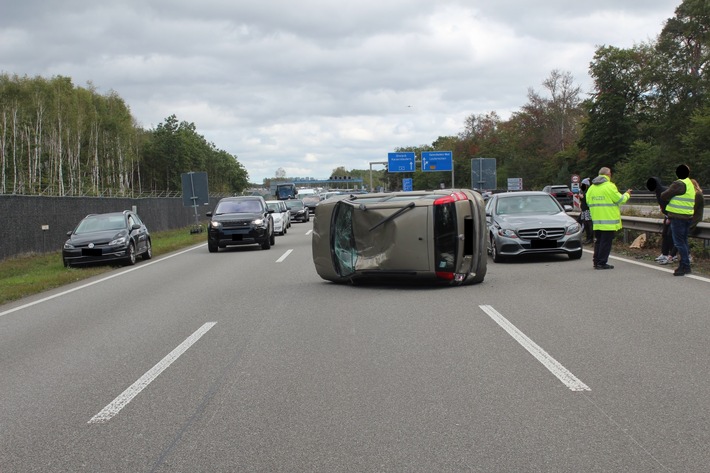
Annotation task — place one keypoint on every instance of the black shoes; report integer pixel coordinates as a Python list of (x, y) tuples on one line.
[(588, 242), (603, 266), (682, 271)]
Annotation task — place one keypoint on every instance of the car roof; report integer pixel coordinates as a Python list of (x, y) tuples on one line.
[(519, 193), (242, 197)]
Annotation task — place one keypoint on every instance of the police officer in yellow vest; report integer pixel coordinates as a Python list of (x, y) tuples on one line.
[(681, 200), (604, 201)]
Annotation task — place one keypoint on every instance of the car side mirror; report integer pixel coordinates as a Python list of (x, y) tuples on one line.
[(135, 226), (568, 208), (208, 214), (69, 232)]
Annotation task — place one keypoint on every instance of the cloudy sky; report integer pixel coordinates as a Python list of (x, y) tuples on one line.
[(311, 85)]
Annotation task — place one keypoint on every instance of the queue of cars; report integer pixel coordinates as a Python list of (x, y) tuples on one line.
[(440, 235)]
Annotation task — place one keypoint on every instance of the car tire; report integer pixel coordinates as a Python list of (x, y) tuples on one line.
[(131, 258), (575, 255), (266, 244), (66, 263), (283, 232), (148, 254), (212, 247), (272, 237), (497, 258)]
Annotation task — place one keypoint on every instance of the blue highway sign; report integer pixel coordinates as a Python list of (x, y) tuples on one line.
[(400, 162), (437, 161)]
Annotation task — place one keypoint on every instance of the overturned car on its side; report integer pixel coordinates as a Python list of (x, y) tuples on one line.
[(436, 236)]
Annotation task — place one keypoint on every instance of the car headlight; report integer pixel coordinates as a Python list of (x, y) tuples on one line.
[(506, 232), (68, 246), (118, 241), (574, 228), (259, 222), (215, 224)]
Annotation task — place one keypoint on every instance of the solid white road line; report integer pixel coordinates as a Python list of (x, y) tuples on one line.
[(284, 256), (126, 396), (542, 356), (114, 275)]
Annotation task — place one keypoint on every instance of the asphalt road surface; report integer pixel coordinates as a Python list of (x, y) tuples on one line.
[(246, 360)]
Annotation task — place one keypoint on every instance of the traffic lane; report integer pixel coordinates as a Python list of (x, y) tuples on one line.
[(636, 335), (386, 388), (63, 360), (344, 402), (116, 453)]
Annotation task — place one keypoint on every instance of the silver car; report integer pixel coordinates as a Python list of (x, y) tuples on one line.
[(530, 222)]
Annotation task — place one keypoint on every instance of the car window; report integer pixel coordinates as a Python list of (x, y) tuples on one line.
[(275, 207), (238, 206), (99, 223), (527, 205), (345, 254)]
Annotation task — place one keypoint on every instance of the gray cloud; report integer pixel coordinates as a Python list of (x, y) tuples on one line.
[(312, 85)]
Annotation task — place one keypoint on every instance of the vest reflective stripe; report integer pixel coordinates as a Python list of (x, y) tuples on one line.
[(683, 204)]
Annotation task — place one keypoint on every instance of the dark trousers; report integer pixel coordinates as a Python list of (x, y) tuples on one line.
[(667, 247), (602, 246), (679, 230)]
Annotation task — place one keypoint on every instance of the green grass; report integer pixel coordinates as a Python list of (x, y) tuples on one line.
[(31, 274)]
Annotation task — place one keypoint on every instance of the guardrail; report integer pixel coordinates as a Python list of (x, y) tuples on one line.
[(655, 225)]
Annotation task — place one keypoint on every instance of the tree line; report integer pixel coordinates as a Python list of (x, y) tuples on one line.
[(59, 139)]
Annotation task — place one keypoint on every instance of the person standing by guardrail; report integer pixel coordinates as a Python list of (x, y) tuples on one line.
[(668, 251), (605, 200), (681, 202)]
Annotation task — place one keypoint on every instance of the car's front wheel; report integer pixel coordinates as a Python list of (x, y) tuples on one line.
[(131, 258), (212, 247), (148, 250), (497, 258), (575, 255)]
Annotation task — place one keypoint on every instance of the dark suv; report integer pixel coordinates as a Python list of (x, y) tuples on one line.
[(561, 192), (243, 220)]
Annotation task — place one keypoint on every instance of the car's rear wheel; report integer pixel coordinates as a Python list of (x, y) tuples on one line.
[(131, 259), (148, 250)]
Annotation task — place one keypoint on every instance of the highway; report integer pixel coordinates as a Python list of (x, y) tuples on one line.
[(246, 360)]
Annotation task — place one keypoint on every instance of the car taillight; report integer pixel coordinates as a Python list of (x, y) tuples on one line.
[(445, 275), (453, 197)]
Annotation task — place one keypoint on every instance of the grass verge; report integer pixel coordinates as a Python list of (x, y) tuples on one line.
[(24, 276)]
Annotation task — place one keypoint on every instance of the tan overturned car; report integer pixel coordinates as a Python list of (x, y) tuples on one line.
[(437, 236)]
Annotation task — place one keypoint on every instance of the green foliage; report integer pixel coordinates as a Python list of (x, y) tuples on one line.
[(58, 139)]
